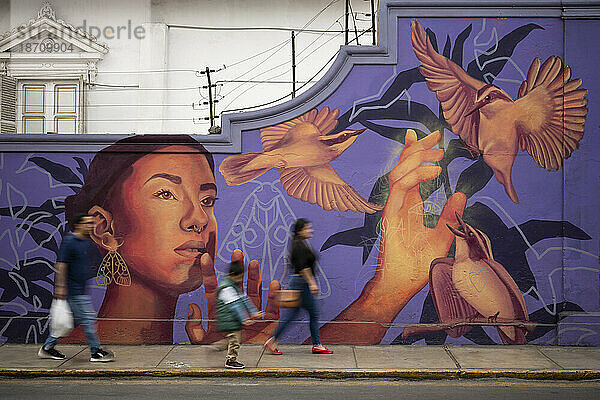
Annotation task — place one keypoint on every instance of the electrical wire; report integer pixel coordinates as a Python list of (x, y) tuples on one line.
[(251, 29), (353, 21), (256, 55), (289, 94), (283, 73), (310, 21), (277, 66)]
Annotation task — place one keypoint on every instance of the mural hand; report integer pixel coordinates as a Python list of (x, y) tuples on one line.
[(260, 330), (194, 329), (408, 246)]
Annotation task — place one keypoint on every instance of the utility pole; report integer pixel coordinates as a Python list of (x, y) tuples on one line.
[(373, 21), (346, 23), (293, 65), (211, 101)]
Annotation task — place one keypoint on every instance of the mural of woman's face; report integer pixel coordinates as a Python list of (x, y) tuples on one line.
[(166, 218)]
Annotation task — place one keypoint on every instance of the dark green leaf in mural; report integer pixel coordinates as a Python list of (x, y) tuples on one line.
[(15, 329), (509, 246), (474, 178), (457, 51), (495, 58), (397, 134), (61, 173), (43, 294), (34, 269), (10, 290), (82, 167), (366, 235), (446, 52), (542, 316), (37, 213), (42, 238), (536, 230), (455, 149)]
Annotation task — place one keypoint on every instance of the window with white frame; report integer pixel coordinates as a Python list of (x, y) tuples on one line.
[(48, 107)]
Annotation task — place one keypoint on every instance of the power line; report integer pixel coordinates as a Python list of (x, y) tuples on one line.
[(252, 29), (256, 55), (285, 72), (289, 94), (276, 66), (281, 46)]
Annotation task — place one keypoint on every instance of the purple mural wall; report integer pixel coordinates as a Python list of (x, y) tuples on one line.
[(452, 203)]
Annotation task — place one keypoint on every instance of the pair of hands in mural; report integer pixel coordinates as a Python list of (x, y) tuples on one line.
[(256, 332), (407, 248)]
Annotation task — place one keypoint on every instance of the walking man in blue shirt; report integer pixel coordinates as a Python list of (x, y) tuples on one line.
[(72, 272)]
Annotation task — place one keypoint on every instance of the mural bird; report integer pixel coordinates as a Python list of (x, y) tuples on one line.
[(303, 150), (473, 287), (547, 119)]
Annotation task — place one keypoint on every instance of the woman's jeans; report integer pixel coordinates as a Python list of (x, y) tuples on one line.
[(308, 303), (84, 315)]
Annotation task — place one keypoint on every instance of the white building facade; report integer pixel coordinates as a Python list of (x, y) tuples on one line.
[(116, 67)]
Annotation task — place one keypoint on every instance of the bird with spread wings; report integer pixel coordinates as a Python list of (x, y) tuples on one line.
[(547, 119), (302, 149)]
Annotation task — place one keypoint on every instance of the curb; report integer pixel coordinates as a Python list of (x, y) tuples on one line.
[(411, 374)]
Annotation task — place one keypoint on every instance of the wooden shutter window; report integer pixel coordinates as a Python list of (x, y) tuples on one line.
[(8, 105)]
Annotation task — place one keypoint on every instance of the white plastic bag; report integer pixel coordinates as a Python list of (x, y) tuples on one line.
[(61, 318)]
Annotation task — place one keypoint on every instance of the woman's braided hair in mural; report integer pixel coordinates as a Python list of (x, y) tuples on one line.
[(114, 164)]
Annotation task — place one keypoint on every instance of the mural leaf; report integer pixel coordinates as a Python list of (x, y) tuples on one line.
[(478, 336), (82, 167), (474, 178), (14, 329), (10, 289), (457, 51), (536, 230), (61, 173), (491, 62), (544, 317), (397, 134), (35, 269), (367, 235), (42, 238)]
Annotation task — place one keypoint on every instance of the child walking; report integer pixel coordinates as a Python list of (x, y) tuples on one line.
[(233, 308)]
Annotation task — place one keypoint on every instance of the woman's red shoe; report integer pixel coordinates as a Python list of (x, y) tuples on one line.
[(270, 345), (324, 350)]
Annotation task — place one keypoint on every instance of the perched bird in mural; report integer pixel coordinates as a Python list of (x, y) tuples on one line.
[(302, 149), (547, 119), (473, 287)]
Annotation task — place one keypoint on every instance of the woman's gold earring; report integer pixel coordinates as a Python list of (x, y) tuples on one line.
[(113, 267)]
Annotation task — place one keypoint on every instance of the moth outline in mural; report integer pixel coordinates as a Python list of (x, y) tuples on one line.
[(547, 119), (303, 148), (113, 268), (274, 224)]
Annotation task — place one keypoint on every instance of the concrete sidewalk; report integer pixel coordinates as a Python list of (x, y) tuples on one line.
[(411, 362)]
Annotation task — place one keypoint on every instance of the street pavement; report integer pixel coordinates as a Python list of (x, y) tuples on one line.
[(294, 388), (413, 362)]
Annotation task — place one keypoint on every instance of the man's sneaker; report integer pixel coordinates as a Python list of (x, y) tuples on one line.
[(51, 353), (233, 364), (102, 356)]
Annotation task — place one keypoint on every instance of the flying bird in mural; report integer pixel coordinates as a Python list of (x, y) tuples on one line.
[(473, 287), (303, 150), (547, 119)]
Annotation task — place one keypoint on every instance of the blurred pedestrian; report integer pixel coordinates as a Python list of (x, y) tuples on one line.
[(72, 271), (302, 261), (233, 307)]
